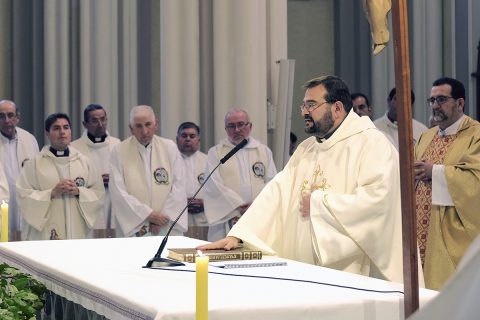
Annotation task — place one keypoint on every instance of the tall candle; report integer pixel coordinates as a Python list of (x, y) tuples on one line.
[(4, 232), (201, 262)]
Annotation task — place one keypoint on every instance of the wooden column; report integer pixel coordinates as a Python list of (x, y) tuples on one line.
[(405, 141)]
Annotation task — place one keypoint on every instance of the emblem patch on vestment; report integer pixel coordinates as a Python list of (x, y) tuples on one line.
[(160, 175), (259, 169), (201, 178), (80, 182)]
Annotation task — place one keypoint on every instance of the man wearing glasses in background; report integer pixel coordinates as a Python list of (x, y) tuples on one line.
[(447, 174), (16, 147), (237, 182), (96, 144)]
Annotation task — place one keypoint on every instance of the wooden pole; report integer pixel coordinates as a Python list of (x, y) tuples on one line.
[(405, 142)]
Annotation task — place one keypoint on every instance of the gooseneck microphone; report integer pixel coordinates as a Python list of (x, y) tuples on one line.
[(157, 261)]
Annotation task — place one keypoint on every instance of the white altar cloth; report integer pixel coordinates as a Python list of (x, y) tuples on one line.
[(106, 276)]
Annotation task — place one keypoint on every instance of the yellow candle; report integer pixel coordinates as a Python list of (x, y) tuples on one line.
[(4, 232), (202, 287)]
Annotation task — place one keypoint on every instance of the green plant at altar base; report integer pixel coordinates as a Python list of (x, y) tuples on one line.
[(21, 296)]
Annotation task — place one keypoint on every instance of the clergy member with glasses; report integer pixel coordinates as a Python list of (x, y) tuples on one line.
[(447, 174), (17, 146), (237, 182)]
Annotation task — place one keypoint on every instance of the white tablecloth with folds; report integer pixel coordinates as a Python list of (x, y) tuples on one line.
[(106, 276)]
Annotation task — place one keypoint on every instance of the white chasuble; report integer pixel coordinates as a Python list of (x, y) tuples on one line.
[(134, 198), (238, 181), (355, 218), (65, 217), (99, 153)]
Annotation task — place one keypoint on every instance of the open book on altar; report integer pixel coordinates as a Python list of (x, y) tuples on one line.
[(189, 254)]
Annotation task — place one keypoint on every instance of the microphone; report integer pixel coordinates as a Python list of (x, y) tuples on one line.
[(233, 151), (157, 261)]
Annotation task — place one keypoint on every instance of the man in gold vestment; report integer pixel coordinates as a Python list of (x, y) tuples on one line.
[(447, 175)]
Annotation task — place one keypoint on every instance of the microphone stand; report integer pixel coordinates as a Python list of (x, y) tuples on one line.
[(157, 261)]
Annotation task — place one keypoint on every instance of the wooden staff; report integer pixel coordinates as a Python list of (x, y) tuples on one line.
[(405, 142)]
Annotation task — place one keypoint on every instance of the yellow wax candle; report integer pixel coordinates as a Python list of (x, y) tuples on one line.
[(4, 232), (201, 262)]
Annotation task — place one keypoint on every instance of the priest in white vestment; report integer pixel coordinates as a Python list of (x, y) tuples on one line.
[(195, 161), (337, 201), (147, 182), (96, 143), (16, 147), (237, 182), (59, 191)]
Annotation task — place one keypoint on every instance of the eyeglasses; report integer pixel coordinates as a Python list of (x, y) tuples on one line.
[(440, 100), (310, 106), (239, 125), (10, 115)]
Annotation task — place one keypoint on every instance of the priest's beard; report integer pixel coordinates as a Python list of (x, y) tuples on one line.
[(439, 115), (321, 127)]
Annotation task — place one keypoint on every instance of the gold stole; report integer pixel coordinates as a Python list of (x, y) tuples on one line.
[(434, 153)]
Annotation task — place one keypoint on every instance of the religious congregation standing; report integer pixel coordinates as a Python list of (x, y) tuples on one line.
[(336, 202)]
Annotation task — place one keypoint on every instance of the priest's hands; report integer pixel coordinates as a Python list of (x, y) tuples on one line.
[(423, 170), (225, 243), (66, 186), (157, 221), (305, 204)]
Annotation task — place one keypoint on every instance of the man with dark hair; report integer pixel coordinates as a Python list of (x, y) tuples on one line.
[(326, 207), (59, 191), (447, 174), (388, 123), (96, 143), (16, 147), (188, 143), (361, 105)]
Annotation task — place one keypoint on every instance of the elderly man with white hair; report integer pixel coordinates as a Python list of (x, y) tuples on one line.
[(147, 180)]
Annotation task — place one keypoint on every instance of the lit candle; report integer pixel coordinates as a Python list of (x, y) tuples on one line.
[(201, 262), (4, 232)]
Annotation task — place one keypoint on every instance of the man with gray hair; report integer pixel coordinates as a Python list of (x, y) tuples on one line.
[(147, 182), (237, 182), (16, 147)]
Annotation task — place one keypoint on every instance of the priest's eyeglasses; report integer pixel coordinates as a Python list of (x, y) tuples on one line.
[(311, 105), (440, 100), (238, 125), (9, 115)]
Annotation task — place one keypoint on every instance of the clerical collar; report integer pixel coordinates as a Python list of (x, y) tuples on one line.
[(60, 153), (96, 139), (328, 135)]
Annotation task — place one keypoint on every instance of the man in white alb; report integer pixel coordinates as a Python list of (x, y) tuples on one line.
[(188, 142), (326, 207), (17, 146), (59, 191), (96, 143), (238, 181), (147, 180)]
